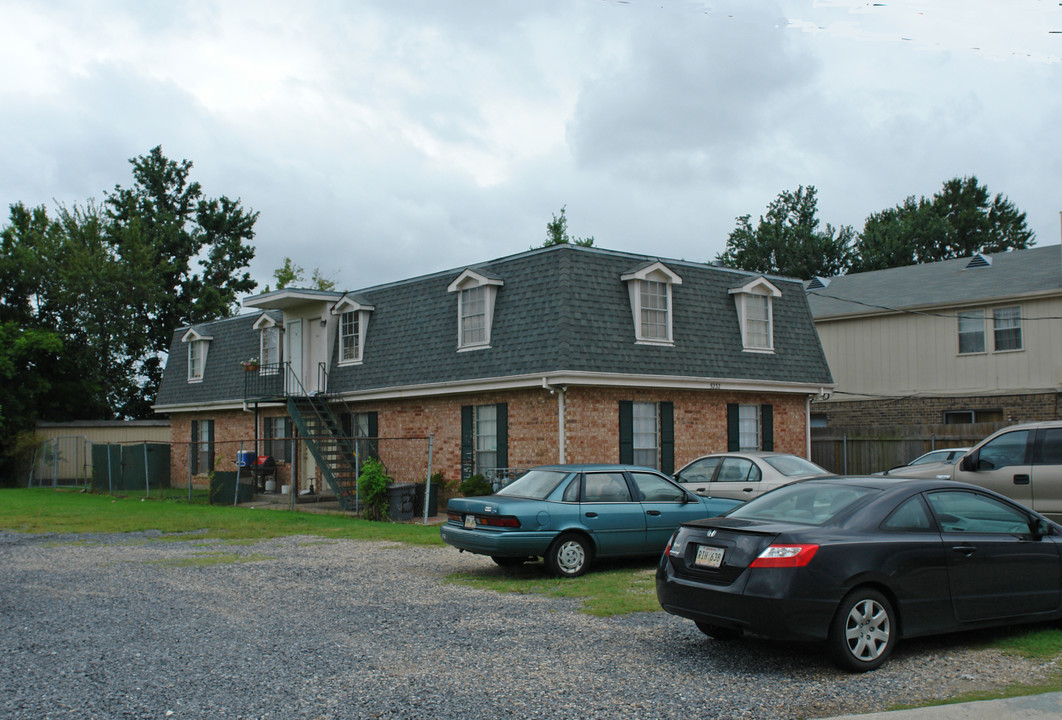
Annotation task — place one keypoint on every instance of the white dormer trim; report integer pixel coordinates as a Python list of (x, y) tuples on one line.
[(474, 337), (647, 328), (749, 300), (360, 310), (264, 321), (198, 345)]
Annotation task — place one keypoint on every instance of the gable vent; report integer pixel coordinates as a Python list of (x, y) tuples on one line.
[(979, 261), (817, 283)]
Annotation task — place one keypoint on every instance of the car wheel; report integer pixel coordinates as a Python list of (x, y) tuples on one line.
[(569, 556), (863, 632), (508, 561), (717, 632)]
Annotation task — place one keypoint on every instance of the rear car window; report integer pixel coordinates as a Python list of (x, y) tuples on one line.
[(537, 484), (805, 503)]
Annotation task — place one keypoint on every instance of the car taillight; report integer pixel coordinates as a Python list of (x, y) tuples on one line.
[(454, 517), (498, 521), (785, 556), (667, 550)]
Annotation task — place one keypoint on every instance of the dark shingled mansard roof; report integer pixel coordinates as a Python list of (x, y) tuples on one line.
[(559, 309)]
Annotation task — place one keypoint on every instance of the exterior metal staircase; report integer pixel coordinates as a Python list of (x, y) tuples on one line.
[(323, 434)]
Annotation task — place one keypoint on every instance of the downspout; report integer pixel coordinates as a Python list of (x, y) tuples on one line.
[(559, 391), (807, 426)]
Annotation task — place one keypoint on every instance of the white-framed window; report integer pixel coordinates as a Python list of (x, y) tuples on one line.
[(748, 427), (476, 296), (198, 344), (349, 331), (473, 316), (652, 303), (486, 432), (755, 308), (971, 331), (353, 312), (1006, 325), (646, 434), (278, 438), (270, 349), (197, 351), (201, 458)]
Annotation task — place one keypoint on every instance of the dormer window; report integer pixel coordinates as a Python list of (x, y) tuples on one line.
[(755, 309), (476, 293), (650, 290), (349, 337), (353, 315), (198, 345), (268, 344)]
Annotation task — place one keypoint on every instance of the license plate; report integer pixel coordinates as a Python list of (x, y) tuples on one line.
[(708, 556), (470, 521)]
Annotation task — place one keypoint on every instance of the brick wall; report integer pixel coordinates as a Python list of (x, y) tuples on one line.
[(930, 410), (591, 419)]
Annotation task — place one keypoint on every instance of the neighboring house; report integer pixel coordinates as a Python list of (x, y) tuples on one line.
[(559, 354), (972, 340)]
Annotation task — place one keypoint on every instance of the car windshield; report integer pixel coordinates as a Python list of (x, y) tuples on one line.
[(804, 503), (790, 465), (537, 484), (931, 457)]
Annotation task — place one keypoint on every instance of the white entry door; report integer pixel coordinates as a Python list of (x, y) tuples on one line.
[(293, 338)]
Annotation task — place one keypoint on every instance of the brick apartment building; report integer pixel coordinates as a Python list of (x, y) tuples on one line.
[(559, 354)]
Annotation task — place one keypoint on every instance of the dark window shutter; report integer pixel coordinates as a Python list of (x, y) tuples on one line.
[(667, 437), (468, 443), (502, 415), (733, 430), (346, 422), (193, 453), (767, 427), (626, 431), (374, 433)]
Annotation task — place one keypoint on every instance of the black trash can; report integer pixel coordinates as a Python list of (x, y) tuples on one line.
[(433, 500), (400, 499), (223, 487)]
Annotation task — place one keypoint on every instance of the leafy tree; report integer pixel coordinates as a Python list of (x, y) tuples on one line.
[(289, 273), (557, 232), (960, 220), (787, 240), (160, 226)]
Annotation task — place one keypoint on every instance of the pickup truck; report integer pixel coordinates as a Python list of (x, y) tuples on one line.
[(1023, 462)]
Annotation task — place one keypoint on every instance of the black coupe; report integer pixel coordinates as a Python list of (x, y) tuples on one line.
[(861, 562)]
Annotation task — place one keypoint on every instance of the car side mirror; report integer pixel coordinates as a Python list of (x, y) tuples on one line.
[(1040, 528), (969, 462)]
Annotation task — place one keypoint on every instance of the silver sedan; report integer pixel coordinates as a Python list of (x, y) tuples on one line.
[(745, 475)]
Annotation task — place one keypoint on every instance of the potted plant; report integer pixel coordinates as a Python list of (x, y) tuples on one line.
[(250, 365)]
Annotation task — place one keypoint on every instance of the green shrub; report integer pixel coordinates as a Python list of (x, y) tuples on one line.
[(476, 485), (372, 485)]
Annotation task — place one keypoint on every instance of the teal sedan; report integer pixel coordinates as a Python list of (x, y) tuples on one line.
[(570, 514)]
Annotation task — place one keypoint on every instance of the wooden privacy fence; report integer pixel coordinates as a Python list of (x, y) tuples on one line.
[(860, 450)]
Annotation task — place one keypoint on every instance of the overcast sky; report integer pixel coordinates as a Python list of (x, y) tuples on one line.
[(384, 139)]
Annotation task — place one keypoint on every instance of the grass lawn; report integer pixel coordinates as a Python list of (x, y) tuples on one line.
[(44, 510)]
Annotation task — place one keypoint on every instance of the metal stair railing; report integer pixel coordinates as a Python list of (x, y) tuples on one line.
[(333, 452)]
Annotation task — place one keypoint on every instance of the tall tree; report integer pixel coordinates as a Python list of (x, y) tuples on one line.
[(290, 273), (161, 225), (960, 220), (557, 232), (787, 240)]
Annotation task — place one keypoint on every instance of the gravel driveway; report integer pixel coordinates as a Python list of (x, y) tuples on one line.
[(141, 626)]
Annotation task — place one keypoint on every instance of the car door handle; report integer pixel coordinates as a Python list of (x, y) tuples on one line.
[(652, 512), (591, 514), (966, 550), (700, 491), (748, 490), (1021, 479)]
